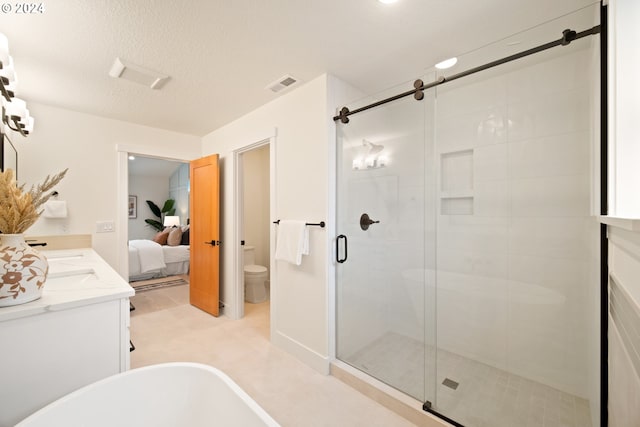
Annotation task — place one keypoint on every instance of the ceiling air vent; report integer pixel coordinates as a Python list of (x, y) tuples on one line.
[(126, 70), (282, 83)]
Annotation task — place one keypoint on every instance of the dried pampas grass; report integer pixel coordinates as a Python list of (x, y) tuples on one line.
[(19, 210)]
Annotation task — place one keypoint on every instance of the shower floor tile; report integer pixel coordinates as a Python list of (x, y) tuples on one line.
[(485, 396)]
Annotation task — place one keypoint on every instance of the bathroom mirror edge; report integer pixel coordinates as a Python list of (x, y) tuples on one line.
[(8, 154)]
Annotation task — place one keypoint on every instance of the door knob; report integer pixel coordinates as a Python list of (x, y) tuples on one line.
[(213, 243), (365, 221)]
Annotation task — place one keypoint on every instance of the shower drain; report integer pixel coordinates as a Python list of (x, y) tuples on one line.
[(450, 383)]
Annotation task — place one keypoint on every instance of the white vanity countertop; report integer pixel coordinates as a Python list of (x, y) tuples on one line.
[(631, 224), (77, 277)]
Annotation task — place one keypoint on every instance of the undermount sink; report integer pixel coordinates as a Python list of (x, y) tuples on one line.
[(70, 273), (64, 257), (67, 265)]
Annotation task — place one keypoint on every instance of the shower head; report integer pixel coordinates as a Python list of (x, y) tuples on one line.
[(373, 148)]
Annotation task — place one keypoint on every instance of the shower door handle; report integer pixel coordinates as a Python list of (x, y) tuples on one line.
[(338, 259)]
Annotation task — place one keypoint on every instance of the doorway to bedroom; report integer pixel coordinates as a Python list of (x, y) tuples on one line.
[(158, 224), (254, 198)]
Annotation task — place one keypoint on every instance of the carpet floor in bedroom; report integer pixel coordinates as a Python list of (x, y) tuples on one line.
[(166, 328)]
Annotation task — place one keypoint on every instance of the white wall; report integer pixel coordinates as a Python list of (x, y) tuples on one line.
[(145, 188), (624, 182), (305, 138), (298, 293), (624, 68), (256, 203), (179, 191), (86, 144)]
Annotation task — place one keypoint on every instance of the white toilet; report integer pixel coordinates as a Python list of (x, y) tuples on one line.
[(255, 277)]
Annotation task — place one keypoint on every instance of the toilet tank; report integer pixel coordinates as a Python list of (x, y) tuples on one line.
[(249, 255)]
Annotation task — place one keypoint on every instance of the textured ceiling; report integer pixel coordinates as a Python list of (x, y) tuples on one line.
[(221, 54)]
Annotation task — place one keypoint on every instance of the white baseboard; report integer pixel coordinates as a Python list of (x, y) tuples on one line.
[(306, 355)]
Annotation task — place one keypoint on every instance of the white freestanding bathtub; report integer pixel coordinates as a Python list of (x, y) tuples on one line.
[(170, 394)]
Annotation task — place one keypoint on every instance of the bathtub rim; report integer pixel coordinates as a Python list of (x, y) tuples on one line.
[(235, 388)]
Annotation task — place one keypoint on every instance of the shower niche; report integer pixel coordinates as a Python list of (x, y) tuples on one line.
[(456, 178)]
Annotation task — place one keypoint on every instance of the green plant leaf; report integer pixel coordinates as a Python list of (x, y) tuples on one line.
[(154, 208), (154, 224), (168, 206)]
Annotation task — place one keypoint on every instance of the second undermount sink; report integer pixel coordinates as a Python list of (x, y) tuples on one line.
[(72, 279), (71, 264), (53, 274), (64, 257)]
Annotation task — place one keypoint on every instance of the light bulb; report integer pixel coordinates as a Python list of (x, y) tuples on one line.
[(447, 63), (4, 49)]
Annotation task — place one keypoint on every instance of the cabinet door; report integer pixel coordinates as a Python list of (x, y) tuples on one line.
[(49, 355)]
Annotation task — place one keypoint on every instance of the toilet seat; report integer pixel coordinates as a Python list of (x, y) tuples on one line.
[(254, 269)]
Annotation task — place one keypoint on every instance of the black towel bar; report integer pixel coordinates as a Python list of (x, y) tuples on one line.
[(318, 224)]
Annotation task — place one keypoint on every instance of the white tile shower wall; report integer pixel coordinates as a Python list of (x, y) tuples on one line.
[(512, 278)]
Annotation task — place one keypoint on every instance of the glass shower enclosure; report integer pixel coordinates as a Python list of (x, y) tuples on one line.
[(467, 255)]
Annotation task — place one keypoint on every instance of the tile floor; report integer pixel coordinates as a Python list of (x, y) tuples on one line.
[(485, 397), (165, 328)]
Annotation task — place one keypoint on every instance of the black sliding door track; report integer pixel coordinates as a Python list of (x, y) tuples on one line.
[(567, 37)]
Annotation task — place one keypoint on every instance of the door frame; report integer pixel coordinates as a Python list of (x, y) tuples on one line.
[(122, 191), (238, 227)]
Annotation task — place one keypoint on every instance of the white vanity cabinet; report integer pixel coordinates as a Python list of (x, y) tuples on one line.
[(76, 334)]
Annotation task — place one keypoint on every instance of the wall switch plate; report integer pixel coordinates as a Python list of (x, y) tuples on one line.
[(105, 227)]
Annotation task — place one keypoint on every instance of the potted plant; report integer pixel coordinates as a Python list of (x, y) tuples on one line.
[(23, 270), (167, 209)]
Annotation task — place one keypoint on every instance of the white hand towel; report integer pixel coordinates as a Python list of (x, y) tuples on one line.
[(292, 241), (55, 209)]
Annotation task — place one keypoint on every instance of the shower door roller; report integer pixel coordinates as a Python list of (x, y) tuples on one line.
[(365, 221)]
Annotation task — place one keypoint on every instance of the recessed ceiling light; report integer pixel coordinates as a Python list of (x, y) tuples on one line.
[(388, 1), (447, 63), (132, 157)]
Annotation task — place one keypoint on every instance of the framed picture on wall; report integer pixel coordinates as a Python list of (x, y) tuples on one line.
[(133, 207)]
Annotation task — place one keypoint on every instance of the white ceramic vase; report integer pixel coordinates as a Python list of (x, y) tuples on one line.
[(23, 271)]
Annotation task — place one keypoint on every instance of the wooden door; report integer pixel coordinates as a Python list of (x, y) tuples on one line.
[(204, 234)]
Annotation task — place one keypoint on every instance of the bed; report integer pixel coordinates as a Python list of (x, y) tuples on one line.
[(150, 260)]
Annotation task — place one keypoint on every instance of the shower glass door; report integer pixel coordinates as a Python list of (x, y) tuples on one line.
[(517, 263), (468, 216), (385, 291)]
